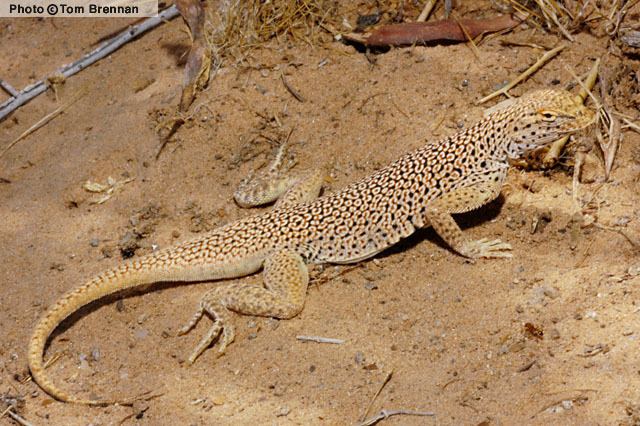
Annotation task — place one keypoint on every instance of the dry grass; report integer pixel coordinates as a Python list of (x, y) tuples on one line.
[(568, 16), (236, 26)]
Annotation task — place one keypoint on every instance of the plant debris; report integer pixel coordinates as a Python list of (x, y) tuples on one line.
[(106, 190), (409, 33)]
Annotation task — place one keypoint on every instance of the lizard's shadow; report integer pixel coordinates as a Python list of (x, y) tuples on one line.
[(468, 220)]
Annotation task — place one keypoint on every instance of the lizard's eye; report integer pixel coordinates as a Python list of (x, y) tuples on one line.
[(548, 115)]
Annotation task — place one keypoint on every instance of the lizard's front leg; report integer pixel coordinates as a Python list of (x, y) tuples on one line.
[(465, 199), (285, 278)]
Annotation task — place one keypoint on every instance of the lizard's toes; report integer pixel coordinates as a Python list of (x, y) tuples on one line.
[(228, 334), (213, 333), (192, 322), (491, 249)]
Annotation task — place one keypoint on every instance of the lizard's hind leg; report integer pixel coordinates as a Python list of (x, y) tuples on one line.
[(285, 278)]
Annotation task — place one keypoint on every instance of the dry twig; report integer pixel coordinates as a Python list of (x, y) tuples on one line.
[(319, 339), (291, 89), (426, 11), (42, 122), (102, 51), (474, 48), (533, 68), (384, 383), (384, 414)]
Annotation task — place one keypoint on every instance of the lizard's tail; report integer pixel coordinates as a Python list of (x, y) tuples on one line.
[(126, 276)]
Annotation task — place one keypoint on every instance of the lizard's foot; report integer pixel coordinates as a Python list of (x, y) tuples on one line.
[(486, 248), (220, 324)]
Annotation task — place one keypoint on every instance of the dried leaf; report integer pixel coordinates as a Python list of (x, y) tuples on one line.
[(449, 29)]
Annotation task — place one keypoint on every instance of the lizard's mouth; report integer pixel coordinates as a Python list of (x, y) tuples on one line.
[(583, 118)]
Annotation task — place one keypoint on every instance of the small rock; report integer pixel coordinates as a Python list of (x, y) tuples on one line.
[(370, 285), (141, 333), (251, 324), (370, 367), (634, 270), (252, 336), (142, 318), (359, 358), (94, 242), (95, 355), (56, 266), (591, 314), (84, 364), (273, 323), (622, 221), (554, 334), (261, 89), (283, 412), (551, 292)]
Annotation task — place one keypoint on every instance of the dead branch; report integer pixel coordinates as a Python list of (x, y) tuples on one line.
[(90, 58), (409, 33)]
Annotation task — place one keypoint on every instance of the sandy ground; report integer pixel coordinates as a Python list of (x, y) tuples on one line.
[(549, 337)]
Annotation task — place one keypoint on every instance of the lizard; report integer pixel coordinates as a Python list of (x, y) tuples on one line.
[(456, 174)]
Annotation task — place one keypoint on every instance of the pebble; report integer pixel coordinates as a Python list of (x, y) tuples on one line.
[(95, 242), (370, 285), (95, 354), (551, 292), (273, 323), (83, 361), (141, 333), (634, 270), (284, 411), (622, 221)]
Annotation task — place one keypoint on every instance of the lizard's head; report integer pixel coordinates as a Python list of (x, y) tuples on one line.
[(540, 117)]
